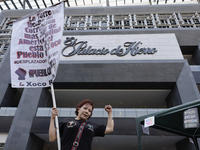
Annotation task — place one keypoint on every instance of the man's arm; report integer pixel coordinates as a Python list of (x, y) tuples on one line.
[(110, 122), (52, 129)]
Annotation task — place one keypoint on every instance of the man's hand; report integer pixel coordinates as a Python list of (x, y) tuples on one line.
[(108, 108), (54, 113)]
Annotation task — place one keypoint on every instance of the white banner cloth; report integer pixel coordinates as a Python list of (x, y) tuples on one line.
[(35, 48)]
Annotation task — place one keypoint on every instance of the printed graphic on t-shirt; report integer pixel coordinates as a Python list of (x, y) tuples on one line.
[(71, 124), (90, 127)]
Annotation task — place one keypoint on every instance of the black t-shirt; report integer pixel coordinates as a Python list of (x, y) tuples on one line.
[(68, 131)]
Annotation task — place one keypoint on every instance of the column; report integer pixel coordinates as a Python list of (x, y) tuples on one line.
[(19, 136), (7, 92), (196, 56), (185, 89)]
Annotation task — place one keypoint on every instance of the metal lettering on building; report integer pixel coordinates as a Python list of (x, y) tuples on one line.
[(120, 47), (83, 48)]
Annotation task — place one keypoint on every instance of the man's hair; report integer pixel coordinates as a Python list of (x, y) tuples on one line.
[(85, 101)]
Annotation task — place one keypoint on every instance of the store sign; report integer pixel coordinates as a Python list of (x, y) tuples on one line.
[(191, 118), (82, 48), (120, 47)]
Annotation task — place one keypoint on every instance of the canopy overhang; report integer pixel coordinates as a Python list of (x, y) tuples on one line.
[(171, 120)]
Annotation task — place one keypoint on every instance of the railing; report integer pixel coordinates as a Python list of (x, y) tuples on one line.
[(98, 112)]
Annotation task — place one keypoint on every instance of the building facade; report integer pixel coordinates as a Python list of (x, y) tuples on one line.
[(139, 59)]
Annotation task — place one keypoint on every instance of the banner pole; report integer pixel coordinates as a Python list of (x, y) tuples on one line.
[(56, 119)]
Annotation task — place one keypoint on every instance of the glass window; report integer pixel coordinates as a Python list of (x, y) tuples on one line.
[(72, 114), (104, 24), (126, 23), (172, 21), (174, 26), (118, 112), (2, 111), (81, 24), (65, 112), (141, 112), (140, 22), (118, 23), (10, 111), (43, 112), (163, 21), (2, 146), (196, 21), (95, 23), (187, 21), (141, 27), (185, 26), (150, 111), (130, 112), (149, 22), (73, 24), (162, 26), (116, 28), (5, 47), (98, 112), (92, 28), (67, 19), (71, 28)]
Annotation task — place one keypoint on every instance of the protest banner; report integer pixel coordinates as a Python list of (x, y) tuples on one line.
[(35, 49)]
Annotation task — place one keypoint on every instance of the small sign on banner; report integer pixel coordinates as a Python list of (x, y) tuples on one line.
[(149, 121), (191, 118)]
